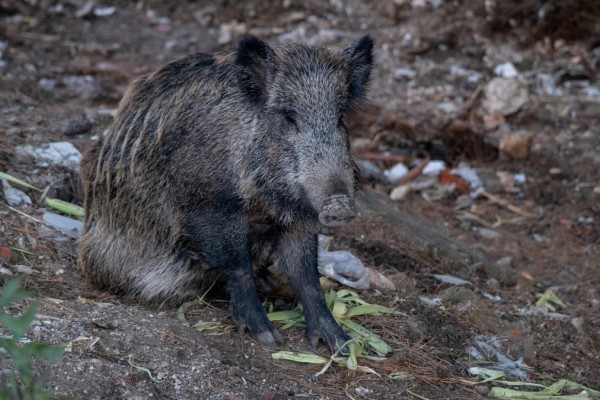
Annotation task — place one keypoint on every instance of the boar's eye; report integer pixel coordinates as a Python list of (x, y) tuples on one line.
[(290, 118)]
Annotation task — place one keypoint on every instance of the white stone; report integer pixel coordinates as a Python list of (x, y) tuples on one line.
[(400, 192), (434, 168), (57, 153), (14, 197), (395, 173), (506, 70)]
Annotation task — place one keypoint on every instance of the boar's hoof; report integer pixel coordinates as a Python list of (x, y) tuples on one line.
[(336, 339), (270, 338), (337, 211)]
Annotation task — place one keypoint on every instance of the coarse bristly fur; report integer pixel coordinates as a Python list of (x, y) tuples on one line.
[(214, 160)]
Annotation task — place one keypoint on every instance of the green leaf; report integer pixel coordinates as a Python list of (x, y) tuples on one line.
[(309, 358), (10, 178), (356, 350), (284, 315), (368, 309), (550, 301), (65, 207)]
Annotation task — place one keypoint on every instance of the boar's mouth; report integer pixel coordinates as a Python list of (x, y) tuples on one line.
[(338, 210)]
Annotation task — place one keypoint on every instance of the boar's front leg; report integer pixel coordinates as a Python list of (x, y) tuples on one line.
[(220, 240), (297, 255)]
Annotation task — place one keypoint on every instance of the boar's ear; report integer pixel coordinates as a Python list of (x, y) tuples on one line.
[(255, 59), (359, 58)]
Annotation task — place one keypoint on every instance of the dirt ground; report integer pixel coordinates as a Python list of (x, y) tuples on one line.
[(64, 65)]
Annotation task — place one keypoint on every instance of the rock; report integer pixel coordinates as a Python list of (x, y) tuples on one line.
[(104, 11), (468, 174), (463, 202), (505, 96), (504, 262), (13, 196), (404, 73), (65, 225), (489, 179), (472, 76), (77, 126), (516, 145), (395, 173), (506, 70), (400, 192), (24, 269), (5, 271), (434, 168), (57, 153), (488, 233)]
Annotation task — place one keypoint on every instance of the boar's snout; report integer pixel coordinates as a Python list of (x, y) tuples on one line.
[(338, 210)]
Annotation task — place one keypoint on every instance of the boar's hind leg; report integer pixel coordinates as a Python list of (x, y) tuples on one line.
[(220, 241), (298, 256)]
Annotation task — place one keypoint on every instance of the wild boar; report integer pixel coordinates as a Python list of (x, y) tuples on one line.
[(216, 160)]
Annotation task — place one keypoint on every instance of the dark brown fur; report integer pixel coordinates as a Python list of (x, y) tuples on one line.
[(214, 160)]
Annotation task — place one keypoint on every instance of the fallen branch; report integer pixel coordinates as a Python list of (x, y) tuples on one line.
[(503, 203)]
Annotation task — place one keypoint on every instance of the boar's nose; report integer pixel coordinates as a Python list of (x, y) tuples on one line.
[(338, 210)]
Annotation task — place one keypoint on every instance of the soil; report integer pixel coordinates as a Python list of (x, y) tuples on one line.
[(63, 71)]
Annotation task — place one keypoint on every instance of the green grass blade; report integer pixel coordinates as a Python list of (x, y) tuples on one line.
[(65, 207), (10, 178)]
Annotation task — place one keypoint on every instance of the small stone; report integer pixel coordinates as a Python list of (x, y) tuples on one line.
[(13, 196), (400, 192), (504, 262), (482, 389), (506, 70), (67, 226), (58, 153), (24, 269), (488, 233), (490, 180), (104, 11), (555, 171), (463, 202), (404, 73), (396, 173), (505, 96), (434, 168), (77, 126), (5, 271), (516, 145)]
